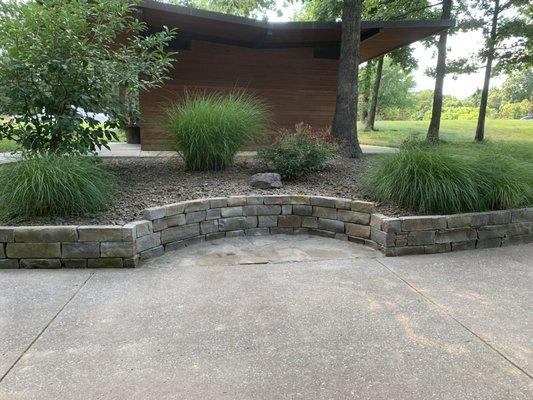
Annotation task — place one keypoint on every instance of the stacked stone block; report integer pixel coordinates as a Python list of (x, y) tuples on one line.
[(182, 224), (67, 246), (444, 233), (174, 226)]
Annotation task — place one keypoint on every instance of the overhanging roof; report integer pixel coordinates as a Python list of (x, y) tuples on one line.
[(377, 37)]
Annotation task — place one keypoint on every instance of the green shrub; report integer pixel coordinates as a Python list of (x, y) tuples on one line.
[(53, 185), (209, 129), (450, 179), (298, 152)]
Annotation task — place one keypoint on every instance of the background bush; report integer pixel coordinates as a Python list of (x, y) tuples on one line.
[(298, 152), (54, 185), (209, 129), (450, 179)]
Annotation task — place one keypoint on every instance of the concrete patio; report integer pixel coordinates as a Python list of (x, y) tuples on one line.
[(120, 149), (279, 317)]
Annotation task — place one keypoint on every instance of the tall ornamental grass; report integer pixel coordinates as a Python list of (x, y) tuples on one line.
[(209, 129), (54, 185), (445, 179)]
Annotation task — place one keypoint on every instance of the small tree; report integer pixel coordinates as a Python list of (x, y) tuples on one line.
[(63, 62)]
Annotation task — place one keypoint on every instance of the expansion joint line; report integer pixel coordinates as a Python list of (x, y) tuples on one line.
[(443, 310), (46, 326)]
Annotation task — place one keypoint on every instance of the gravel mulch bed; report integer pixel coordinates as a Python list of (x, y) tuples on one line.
[(147, 182)]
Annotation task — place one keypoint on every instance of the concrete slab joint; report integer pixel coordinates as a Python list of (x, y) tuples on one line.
[(178, 225)]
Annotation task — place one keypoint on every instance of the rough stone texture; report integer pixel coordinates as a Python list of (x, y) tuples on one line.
[(196, 205), (266, 180), (117, 249), (354, 217), (80, 250), (218, 202), (73, 263), (140, 228), (262, 210), (237, 223), (107, 233), (325, 212), (153, 252), (331, 225), (154, 213), (362, 206), (174, 209), (209, 226), (179, 233), (231, 211), (267, 221), (302, 209), (46, 234), (357, 230), (6, 234), (422, 223), (310, 222), (289, 221), (33, 250), (455, 235), (9, 263), (105, 263), (417, 238), (148, 241), (178, 225), (40, 263)]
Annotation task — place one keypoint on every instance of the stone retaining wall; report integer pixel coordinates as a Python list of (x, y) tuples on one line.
[(178, 225), (444, 233)]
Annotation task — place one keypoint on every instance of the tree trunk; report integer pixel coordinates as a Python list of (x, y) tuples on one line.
[(434, 125), (344, 126), (371, 119), (366, 90), (480, 130)]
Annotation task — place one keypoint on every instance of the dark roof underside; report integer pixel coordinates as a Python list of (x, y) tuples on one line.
[(377, 37)]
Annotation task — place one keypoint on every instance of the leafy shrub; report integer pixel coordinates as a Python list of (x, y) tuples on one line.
[(209, 129), (53, 185), (443, 180), (59, 58), (298, 152)]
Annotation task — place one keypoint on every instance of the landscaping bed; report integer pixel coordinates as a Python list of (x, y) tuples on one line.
[(148, 182)]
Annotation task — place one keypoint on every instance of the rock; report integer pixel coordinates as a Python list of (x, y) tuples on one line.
[(267, 180)]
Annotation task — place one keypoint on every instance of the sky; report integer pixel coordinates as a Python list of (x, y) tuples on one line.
[(459, 45)]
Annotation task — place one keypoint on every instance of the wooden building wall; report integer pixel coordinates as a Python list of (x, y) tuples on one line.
[(297, 86)]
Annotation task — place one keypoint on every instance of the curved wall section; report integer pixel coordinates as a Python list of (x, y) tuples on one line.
[(174, 226)]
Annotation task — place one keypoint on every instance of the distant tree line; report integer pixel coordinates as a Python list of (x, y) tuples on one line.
[(398, 100)]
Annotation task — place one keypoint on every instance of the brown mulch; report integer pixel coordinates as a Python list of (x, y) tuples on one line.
[(147, 182)]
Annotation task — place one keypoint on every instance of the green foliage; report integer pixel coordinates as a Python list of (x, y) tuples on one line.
[(395, 99), (53, 185), (461, 113), (243, 8), (443, 180), (296, 153), (518, 86), (61, 58), (516, 110), (209, 129)]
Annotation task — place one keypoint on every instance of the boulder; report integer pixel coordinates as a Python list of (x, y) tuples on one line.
[(267, 180)]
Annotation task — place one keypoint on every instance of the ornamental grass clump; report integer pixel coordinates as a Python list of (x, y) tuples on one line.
[(450, 179), (209, 129), (54, 185), (297, 152)]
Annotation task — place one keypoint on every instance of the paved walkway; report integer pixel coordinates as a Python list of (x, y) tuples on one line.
[(134, 150), (273, 318)]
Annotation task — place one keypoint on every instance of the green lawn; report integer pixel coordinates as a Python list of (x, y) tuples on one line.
[(392, 133)]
